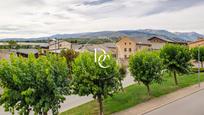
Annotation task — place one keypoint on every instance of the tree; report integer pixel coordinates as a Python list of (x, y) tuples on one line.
[(122, 73), (12, 44), (146, 67), (34, 84), (70, 55), (176, 58), (195, 54), (90, 78)]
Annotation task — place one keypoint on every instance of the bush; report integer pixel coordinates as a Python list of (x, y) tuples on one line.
[(195, 70)]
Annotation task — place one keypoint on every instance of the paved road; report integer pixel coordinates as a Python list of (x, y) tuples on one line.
[(74, 100), (190, 105)]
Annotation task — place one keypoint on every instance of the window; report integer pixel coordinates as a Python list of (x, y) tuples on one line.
[(129, 43), (125, 43), (125, 56), (125, 49), (130, 49)]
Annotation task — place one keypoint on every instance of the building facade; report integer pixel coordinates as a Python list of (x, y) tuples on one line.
[(158, 42), (59, 44), (126, 46), (199, 42)]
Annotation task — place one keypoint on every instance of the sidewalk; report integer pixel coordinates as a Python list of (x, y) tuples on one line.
[(161, 101)]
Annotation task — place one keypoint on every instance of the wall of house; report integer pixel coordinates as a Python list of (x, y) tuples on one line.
[(60, 45), (125, 47), (196, 44), (157, 46), (113, 51), (4, 54), (157, 43), (141, 47)]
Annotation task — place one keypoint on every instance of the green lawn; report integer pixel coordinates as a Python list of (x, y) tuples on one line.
[(134, 95)]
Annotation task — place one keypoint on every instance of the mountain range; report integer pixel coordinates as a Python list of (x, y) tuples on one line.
[(142, 34)]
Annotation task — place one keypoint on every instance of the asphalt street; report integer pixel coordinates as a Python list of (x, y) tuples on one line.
[(189, 105)]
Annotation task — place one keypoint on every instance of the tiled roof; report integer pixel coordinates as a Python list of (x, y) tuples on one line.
[(77, 46), (109, 45), (56, 42), (105, 46), (27, 51), (168, 39), (197, 41), (162, 38), (138, 40)]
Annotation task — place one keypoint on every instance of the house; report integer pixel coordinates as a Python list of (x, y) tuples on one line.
[(4, 54), (26, 52), (108, 47), (198, 42), (59, 44), (44, 46), (111, 47), (127, 46), (34, 45), (158, 42), (77, 47)]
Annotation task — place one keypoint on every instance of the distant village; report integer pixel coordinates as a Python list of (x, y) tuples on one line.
[(121, 49)]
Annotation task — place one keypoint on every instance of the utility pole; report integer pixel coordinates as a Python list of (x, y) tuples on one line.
[(54, 43), (199, 65), (58, 44)]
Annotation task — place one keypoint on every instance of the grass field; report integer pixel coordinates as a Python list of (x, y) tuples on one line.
[(134, 95)]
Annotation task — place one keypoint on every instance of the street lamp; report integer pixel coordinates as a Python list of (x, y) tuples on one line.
[(199, 65)]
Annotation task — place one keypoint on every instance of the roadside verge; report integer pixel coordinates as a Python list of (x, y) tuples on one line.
[(156, 103)]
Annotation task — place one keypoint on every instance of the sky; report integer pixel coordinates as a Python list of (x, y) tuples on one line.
[(37, 18)]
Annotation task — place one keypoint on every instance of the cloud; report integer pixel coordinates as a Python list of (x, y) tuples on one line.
[(173, 5), (61, 16), (43, 17), (33, 2), (96, 2), (112, 8), (9, 28)]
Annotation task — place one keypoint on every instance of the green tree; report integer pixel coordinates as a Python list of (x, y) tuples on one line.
[(12, 44), (33, 84), (176, 58), (90, 78), (70, 55), (146, 67), (195, 54), (122, 73)]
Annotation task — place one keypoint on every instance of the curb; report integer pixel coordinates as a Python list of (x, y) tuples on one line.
[(148, 111), (164, 100)]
